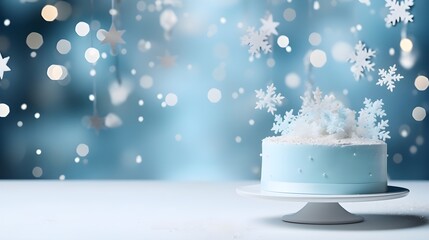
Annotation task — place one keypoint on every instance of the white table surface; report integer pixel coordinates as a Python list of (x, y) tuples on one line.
[(188, 210)]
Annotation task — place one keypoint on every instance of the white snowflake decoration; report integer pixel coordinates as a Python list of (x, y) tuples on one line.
[(361, 60), (268, 99), (257, 42), (322, 116), (398, 12), (370, 123), (282, 124), (389, 78)]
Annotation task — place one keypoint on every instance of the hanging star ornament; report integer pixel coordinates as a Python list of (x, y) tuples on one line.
[(269, 26), (113, 37), (95, 122), (167, 60), (3, 65)]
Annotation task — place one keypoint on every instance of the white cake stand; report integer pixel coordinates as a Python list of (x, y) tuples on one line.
[(322, 209)]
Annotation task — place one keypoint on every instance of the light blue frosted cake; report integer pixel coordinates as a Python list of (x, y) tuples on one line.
[(323, 165), (325, 148)]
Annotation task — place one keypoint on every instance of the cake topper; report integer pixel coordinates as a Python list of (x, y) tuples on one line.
[(325, 116)]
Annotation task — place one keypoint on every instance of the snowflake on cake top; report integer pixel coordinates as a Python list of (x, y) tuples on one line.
[(325, 116), (398, 12), (389, 77), (319, 116), (361, 60), (268, 99), (370, 123), (257, 40)]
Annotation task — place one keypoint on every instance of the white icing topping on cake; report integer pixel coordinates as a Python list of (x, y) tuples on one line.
[(323, 140)]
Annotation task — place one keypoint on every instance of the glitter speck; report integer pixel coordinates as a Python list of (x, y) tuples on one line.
[(354, 154), (370, 174), (38, 152)]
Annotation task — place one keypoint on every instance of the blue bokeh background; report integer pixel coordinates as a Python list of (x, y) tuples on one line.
[(208, 55)]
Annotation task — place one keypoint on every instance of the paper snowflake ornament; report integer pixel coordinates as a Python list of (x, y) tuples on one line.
[(257, 42), (269, 26), (389, 77), (361, 60), (268, 99), (113, 37), (399, 12), (3, 65), (370, 123)]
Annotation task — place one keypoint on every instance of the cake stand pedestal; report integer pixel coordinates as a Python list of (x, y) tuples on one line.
[(322, 209)]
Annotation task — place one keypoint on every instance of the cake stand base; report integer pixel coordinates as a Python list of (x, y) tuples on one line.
[(322, 209), (322, 213)]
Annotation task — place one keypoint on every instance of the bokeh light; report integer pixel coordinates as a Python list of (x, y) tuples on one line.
[(315, 39), (318, 58), (289, 14), (146, 81), (214, 95), (82, 29), (4, 110), (82, 150), (406, 45), (419, 114), (63, 46), (57, 72), (292, 80), (421, 83), (34, 40), (49, 13), (171, 99), (92, 55), (283, 41)]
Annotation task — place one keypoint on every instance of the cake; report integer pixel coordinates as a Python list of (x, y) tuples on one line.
[(326, 148), (323, 166)]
